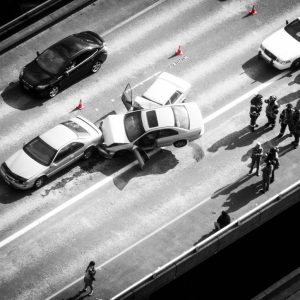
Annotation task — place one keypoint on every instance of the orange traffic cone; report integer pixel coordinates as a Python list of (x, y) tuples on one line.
[(178, 51), (80, 105), (253, 10)]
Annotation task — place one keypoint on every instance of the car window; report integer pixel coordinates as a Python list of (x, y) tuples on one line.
[(293, 29), (166, 132), (76, 128), (63, 153), (76, 146), (152, 118), (82, 57), (40, 151), (133, 125), (51, 61), (181, 116), (175, 96), (148, 139)]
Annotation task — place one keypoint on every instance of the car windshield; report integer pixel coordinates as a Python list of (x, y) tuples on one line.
[(76, 128), (40, 151), (51, 61), (133, 125), (181, 116), (294, 29)]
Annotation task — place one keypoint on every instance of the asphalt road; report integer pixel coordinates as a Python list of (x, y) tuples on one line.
[(135, 221)]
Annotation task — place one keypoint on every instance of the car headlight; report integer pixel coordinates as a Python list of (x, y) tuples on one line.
[(21, 73), (41, 86), (283, 62)]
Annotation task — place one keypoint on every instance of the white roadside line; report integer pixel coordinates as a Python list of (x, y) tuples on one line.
[(206, 120)]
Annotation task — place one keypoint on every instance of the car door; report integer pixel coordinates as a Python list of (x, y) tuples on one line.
[(84, 62), (148, 141), (166, 137), (66, 156)]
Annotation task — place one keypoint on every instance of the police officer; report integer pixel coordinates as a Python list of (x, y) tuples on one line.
[(255, 109), (257, 153), (286, 119), (296, 127), (272, 157), (271, 110)]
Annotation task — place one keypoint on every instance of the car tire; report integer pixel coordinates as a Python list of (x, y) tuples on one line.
[(40, 182), (179, 144), (53, 91), (96, 66), (296, 64), (88, 153)]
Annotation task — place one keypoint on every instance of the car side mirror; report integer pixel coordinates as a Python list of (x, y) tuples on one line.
[(286, 22), (38, 53)]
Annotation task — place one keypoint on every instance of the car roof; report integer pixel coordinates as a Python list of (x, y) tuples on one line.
[(159, 117), (58, 136)]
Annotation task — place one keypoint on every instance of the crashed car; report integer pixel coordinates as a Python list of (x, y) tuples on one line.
[(51, 152), (165, 90), (147, 129)]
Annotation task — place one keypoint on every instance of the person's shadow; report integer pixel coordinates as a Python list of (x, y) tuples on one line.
[(239, 138)]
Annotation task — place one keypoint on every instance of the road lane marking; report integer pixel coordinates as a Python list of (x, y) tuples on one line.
[(126, 168), (134, 245)]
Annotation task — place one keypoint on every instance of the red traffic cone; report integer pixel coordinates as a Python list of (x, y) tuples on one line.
[(253, 10), (178, 51), (80, 105)]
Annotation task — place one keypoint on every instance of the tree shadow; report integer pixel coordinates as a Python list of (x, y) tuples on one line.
[(258, 70), (239, 138), (14, 96)]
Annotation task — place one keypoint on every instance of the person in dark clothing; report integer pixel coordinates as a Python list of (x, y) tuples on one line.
[(223, 220), (89, 278), (266, 176), (296, 127), (286, 118), (257, 153), (271, 111), (273, 158), (255, 109)]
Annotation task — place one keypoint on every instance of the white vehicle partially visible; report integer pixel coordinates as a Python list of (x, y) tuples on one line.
[(282, 48), (166, 89), (51, 152)]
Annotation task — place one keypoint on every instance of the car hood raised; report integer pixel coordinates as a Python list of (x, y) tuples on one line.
[(281, 44), (34, 75), (113, 130), (23, 165)]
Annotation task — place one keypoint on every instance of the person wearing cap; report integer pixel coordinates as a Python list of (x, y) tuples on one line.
[(255, 109), (257, 153), (286, 119), (222, 221), (266, 175), (296, 127), (89, 278), (271, 111), (272, 157)]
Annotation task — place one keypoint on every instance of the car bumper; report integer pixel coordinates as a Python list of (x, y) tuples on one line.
[(273, 62), (11, 182)]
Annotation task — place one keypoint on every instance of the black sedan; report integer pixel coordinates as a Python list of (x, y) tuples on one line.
[(64, 63)]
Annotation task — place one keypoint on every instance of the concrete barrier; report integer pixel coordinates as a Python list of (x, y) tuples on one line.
[(211, 245)]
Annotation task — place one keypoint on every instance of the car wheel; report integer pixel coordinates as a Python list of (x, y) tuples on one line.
[(40, 182), (181, 143), (88, 153), (96, 66), (53, 91), (296, 64)]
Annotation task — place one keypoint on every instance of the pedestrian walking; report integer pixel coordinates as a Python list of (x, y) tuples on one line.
[(89, 278), (257, 153), (286, 119), (266, 176), (296, 127), (273, 158), (255, 109), (271, 111), (223, 220)]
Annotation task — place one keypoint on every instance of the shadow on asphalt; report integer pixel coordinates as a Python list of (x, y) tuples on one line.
[(9, 194), (258, 70)]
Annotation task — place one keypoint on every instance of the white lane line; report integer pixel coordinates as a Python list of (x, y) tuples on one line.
[(135, 244)]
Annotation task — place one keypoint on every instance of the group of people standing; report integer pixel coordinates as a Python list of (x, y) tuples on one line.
[(289, 117)]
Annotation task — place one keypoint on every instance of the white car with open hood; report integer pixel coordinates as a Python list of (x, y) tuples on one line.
[(282, 48), (146, 129), (165, 90)]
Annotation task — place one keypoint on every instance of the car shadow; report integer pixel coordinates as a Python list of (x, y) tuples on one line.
[(9, 195), (258, 70), (14, 96), (239, 138), (289, 98)]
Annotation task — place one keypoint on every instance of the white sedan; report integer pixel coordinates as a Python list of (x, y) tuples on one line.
[(282, 48), (51, 152), (147, 129)]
